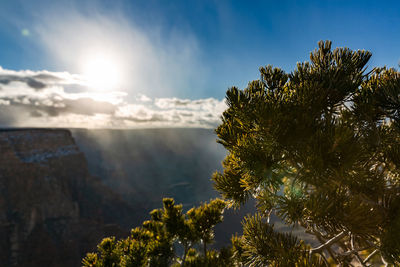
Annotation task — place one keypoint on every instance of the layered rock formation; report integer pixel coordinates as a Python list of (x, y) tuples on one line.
[(52, 211)]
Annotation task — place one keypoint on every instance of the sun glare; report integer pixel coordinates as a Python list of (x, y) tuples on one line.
[(101, 72)]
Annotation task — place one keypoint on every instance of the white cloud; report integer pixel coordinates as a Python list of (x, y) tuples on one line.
[(23, 104), (143, 98)]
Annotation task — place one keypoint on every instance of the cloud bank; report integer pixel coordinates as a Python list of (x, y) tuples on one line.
[(60, 99)]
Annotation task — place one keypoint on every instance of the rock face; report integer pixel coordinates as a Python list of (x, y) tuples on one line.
[(52, 211)]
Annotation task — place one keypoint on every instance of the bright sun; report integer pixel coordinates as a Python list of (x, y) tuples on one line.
[(101, 72)]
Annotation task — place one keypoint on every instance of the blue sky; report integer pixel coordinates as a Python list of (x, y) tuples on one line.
[(189, 49)]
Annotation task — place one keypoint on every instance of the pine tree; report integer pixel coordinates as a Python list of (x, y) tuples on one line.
[(155, 242), (318, 147)]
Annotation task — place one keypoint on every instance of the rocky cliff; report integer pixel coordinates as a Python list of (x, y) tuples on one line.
[(52, 211)]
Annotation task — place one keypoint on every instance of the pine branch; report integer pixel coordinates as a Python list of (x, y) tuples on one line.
[(356, 252), (384, 262), (324, 259), (321, 239), (370, 255), (329, 243), (269, 215)]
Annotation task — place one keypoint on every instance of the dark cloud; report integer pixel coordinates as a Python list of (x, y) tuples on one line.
[(31, 82), (34, 110), (7, 116), (186, 114), (54, 107), (88, 106), (172, 102), (181, 102), (46, 77), (49, 110), (35, 114)]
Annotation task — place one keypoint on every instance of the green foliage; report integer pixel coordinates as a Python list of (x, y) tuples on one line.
[(261, 245), (203, 219), (154, 243), (214, 258), (320, 148)]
